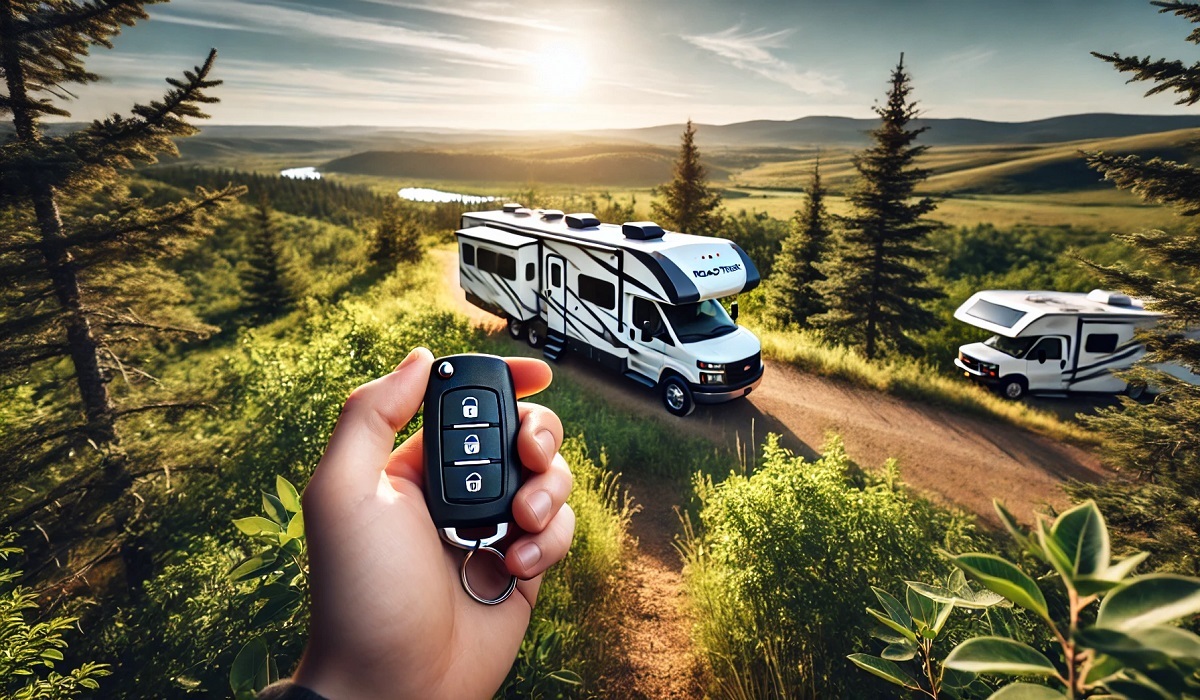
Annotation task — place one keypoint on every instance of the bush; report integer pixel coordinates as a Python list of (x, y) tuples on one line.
[(780, 570)]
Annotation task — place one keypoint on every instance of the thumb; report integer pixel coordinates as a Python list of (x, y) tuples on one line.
[(366, 431)]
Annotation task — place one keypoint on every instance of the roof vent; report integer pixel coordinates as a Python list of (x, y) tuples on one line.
[(511, 208), (522, 212), (551, 215), (1110, 298), (582, 221), (642, 230)]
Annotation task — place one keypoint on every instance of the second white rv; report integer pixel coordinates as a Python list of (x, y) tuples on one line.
[(637, 299), (1053, 342)]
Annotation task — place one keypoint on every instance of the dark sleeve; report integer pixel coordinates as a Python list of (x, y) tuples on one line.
[(287, 690)]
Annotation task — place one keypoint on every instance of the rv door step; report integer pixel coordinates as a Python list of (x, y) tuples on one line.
[(554, 347), (640, 379)]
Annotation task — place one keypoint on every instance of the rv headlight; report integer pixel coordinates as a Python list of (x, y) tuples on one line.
[(712, 378), (715, 366)]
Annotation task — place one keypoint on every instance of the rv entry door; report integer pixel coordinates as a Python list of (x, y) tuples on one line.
[(555, 293), (1047, 364), (648, 338)]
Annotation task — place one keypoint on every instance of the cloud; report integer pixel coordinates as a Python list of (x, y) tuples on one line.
[(274, 19), (494, 12), (751, 51)]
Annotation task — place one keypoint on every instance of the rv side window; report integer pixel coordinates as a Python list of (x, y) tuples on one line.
[(468, 254), (506, 266), (1101, 343), (596, 291), (529, 272), (487, 260), (645, 311), (555, 275), (1051, 346)]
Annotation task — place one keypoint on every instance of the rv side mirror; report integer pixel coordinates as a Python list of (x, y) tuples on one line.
[(733, 310), (1041, 355), (646, 334)]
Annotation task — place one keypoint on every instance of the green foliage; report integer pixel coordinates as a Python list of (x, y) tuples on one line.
[(876, 277), (30, 650), (757, 233), (266, 271), (792, 297), (780, 569), (1157, 445), (1125, 649), (688, 204), (397, 237)]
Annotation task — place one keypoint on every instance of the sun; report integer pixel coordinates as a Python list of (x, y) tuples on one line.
[(560, 68)]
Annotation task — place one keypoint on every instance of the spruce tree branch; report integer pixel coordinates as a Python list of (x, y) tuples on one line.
[(178, 214), (50, 20)]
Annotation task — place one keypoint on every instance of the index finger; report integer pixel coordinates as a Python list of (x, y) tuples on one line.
[(530, 375)]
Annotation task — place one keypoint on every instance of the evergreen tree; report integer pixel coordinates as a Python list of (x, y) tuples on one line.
[(1158, 444), (792, 296), (77, 256), (265, 285), (397, 237), (688, 204), (876, 276)]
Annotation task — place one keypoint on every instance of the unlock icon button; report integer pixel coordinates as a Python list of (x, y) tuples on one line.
[(471, 444)]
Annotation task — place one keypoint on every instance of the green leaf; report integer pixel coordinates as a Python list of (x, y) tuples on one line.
[(1139, 689), (1001, 656), (957, 679), (893, 625), (893, 607), (903, 651), (276, 609), (52, 654), (1172, 641), (254, 566), (939, 622), (295, 528), (256, 525), (962, 597), (1003, 577), (1120, 646), (251, 670), (1020, 534), (1026, 691), (886, 634), (1084, 537), (1111, 577), (922, 609), (883, 668), (274, 509), (288, 496), (1102, 668), (1053, 551), (1149, 601)]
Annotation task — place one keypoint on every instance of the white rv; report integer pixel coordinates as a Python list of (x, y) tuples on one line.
[(1053, 342), (637, 299)]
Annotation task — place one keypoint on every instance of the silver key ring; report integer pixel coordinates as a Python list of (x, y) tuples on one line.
[(462, 570)]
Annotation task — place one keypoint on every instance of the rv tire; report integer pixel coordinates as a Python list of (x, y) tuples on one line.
[(1135, 390), (1014, 388), (516, 329), (676, 396), (534, 335)]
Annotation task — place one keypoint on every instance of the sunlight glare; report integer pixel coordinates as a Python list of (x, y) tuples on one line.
[(560, 68)]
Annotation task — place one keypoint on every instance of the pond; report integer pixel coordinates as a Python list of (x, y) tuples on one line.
[(423, 194), (309, 173)]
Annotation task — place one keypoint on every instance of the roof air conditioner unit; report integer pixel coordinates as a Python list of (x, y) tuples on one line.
[(582, 221), (642, 230)]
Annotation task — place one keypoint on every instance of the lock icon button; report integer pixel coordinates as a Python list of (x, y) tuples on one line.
[(474, 482), (471, 444), (470, 407)]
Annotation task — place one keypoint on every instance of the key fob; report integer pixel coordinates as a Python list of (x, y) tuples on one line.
[(472, 470)]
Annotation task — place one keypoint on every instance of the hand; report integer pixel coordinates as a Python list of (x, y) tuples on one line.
[(389, 615)]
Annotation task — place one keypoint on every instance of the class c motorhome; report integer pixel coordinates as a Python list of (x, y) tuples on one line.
[(1053, 342), (635, 298)]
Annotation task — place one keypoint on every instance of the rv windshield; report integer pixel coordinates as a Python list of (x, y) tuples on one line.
[(699, 321), (1017, 347)]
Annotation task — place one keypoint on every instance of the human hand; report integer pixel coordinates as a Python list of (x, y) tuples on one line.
[(389, 615)]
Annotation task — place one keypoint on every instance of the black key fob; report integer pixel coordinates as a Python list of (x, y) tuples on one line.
[(472, 470)]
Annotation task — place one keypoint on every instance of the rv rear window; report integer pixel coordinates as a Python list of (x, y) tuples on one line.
[(995, 313), (1101, 343), (468, 254), (596, 291), (506, 266)]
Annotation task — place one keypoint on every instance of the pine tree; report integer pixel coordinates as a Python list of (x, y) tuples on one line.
[(266, 290), (77, 257), (688, 204), (397, 237), (792, 296), (876, 276), (1157, 445)]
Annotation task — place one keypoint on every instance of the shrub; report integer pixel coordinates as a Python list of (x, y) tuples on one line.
[(780, 570)]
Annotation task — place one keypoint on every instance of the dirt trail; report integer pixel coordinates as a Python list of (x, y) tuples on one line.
[(953, 458)]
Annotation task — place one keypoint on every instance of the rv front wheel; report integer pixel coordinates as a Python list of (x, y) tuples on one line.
[(1013, 388), (677, 397), (515, 328)]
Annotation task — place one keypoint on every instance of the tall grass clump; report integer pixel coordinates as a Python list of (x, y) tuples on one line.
[(779, 569), (568, 649)]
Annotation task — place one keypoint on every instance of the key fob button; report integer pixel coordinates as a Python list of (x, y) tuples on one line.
[(478, 482), (471, 444), (470, 406)]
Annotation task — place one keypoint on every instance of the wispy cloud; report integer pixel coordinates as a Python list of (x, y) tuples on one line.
[(275, 19), (494, 12), (751, 51)]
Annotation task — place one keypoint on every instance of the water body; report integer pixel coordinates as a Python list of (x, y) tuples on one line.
[(423, 194), (309, 173)]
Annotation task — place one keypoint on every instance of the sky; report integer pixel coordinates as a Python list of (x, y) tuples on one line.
[(594, 64)]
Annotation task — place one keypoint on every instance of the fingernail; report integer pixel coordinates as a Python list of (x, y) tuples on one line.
[(528, 555), (412, 354), (545, 440), (539, 502)]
